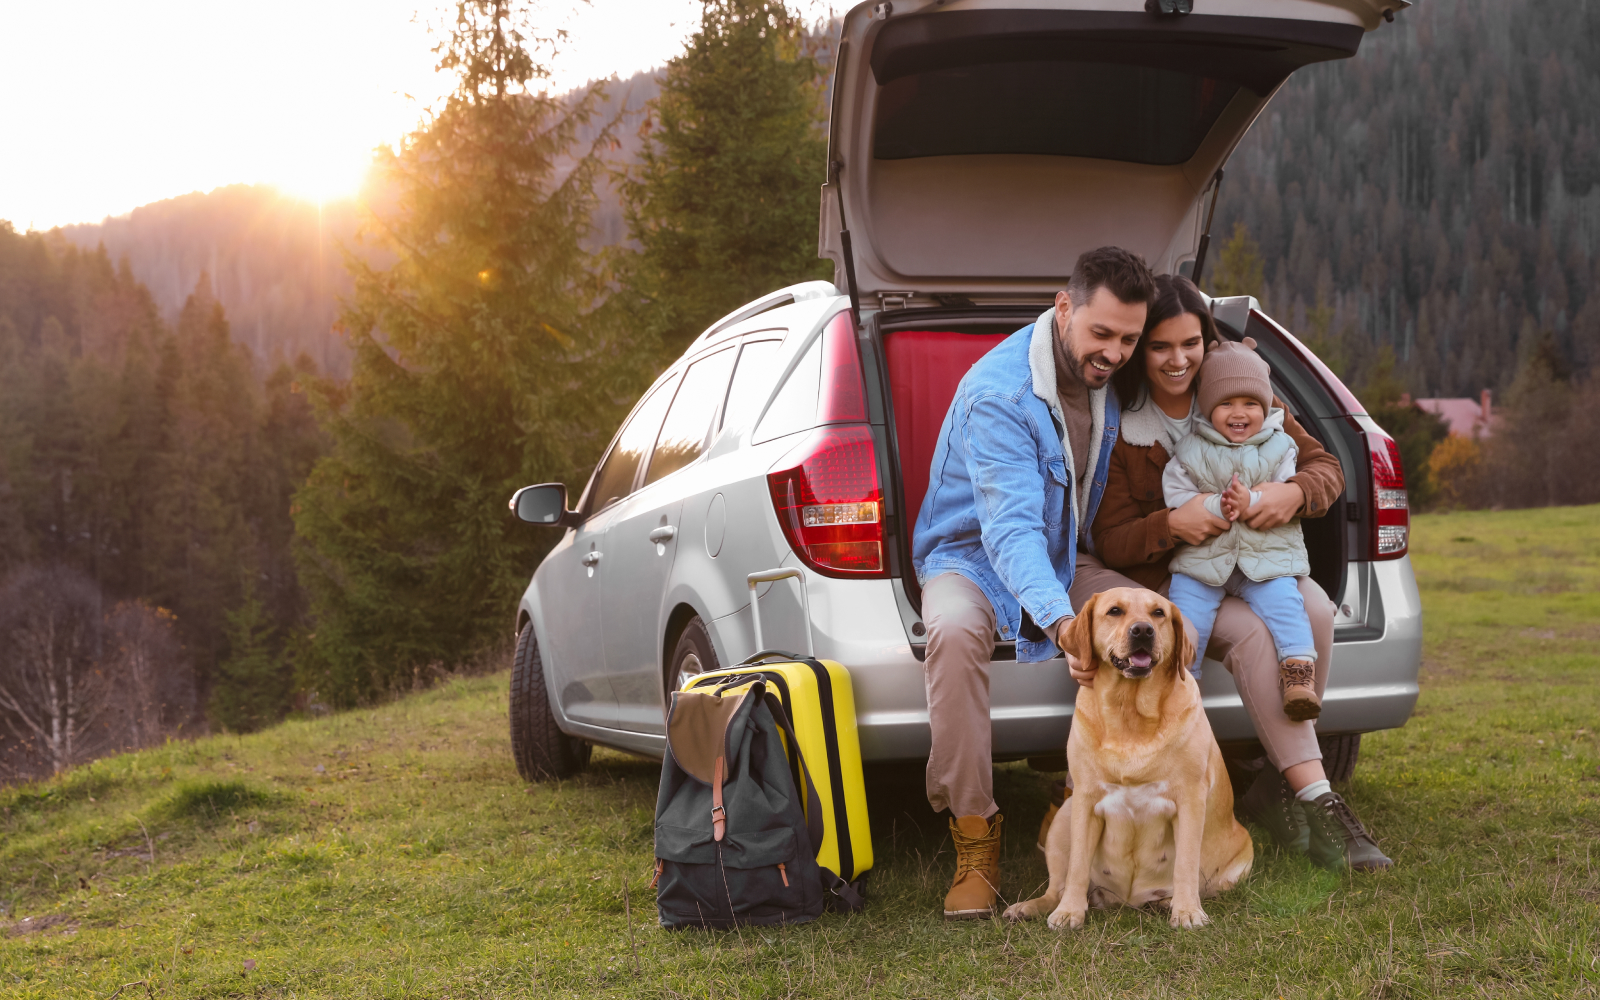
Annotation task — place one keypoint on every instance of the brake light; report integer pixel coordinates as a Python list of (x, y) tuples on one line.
[(826, 495), (1391, 509), (844, 399)]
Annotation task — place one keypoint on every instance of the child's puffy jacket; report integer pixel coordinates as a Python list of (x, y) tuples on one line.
[(1211, 461)]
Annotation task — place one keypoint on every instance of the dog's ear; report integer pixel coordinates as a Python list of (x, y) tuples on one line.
[(1183, 641), (1079, 640)]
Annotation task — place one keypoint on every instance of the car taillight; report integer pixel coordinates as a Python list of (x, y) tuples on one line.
[(843, 398), (1391, 510), (826, 495)]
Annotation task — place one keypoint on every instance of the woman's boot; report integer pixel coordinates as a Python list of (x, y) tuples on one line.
[(1338, 839), (1271, 805)]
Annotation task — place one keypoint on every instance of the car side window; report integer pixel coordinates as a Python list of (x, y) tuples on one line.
[(683, 434), (617, 473), (795, 406), (751, 380)]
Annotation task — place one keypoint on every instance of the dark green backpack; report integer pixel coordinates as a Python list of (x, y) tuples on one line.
[(732, 841)]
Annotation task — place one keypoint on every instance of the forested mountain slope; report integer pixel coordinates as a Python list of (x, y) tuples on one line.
[(274, 263), (1440, 193)]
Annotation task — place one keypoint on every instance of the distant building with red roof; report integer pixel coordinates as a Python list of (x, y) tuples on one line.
[(1468, 418)]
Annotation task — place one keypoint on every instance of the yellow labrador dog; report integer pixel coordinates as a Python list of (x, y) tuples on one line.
[(1151, 816)]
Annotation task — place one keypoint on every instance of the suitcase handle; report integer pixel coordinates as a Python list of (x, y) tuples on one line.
[(773, 575)]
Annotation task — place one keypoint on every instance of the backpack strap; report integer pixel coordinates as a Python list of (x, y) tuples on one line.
[(813, 803), (719, 815)]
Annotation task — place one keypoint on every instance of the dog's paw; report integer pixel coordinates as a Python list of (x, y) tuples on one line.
[(1063, 920), (1189, 918), (1017, 912)]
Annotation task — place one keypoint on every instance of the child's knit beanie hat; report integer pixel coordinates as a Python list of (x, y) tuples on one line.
[(1234, 369)]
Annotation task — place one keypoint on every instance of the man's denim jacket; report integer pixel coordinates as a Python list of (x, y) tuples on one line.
[(1001, 507)]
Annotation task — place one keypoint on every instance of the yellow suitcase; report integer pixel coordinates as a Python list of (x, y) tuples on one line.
[(821, 706)]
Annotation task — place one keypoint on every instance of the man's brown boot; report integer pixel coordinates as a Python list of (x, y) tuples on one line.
[(977, 882), (1300, 701), (1059, 791)]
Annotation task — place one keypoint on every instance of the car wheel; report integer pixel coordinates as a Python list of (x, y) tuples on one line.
[(542, 751), (692, 655), (1339, 755)]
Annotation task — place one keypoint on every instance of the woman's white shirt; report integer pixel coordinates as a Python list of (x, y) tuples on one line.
[(1177, 428)]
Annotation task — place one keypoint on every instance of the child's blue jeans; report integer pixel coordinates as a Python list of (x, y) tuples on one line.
[(1276, 602)]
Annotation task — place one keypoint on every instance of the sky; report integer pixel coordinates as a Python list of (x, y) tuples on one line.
[(106, 106)]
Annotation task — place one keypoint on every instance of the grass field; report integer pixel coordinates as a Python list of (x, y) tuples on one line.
[(393, 852)]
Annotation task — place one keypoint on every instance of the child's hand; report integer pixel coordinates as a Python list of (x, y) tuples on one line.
[(1236, 500)]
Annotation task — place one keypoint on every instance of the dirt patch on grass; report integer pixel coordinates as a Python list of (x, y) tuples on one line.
[(56, 923)]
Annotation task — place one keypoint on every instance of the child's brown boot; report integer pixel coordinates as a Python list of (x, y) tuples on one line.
[(1300, 701)]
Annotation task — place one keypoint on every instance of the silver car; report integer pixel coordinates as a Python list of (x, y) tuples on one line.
[(976, 148)]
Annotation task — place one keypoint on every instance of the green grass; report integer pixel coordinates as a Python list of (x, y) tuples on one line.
[(393, 852)]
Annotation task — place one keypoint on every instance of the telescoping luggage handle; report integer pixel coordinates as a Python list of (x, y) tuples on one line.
[(773, 575)]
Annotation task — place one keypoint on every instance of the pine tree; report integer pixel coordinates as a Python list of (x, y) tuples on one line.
[(723, 204), (198, 534), (1240, 271), (249, 689), (476, 370)]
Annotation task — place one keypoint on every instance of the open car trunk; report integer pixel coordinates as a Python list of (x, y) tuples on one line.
[(976, 147)]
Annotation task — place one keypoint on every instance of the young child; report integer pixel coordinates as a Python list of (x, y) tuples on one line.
[(1238, 443)]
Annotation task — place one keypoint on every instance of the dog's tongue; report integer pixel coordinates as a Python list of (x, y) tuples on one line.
[(1140, 659)]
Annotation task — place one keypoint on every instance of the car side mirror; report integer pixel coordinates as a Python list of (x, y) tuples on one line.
[(544, 504)]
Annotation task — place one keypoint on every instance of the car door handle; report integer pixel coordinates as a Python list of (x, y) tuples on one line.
[(590, 558), (663, 533)]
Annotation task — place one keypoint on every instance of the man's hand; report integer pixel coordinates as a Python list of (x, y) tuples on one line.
[(1194, 524), (1084, 677), (1280, 502), (1235, 499)]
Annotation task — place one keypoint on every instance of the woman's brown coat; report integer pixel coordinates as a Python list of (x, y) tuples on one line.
[(1131, 533)]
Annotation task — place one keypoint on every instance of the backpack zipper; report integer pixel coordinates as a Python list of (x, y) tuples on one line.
[(784, 873), (654, 879)]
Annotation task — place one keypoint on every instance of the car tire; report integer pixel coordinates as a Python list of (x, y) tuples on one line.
[(692, 655), (542, 751), (1339, 755)]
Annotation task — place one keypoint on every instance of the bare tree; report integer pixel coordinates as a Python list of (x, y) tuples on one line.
[(54, 693), (155, 688)]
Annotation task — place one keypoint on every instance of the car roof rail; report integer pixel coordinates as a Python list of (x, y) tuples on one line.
[(803, 292)]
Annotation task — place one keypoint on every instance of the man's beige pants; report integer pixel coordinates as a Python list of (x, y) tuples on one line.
[(961, 638)]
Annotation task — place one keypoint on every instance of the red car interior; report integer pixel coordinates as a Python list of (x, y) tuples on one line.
[(925, 366)]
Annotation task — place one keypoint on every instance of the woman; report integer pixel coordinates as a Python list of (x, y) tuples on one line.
[(1135, 536)]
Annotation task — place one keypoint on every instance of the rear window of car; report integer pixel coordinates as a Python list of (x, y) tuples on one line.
[(1106, 111), (751, 381), (683, 435), (795, 406)]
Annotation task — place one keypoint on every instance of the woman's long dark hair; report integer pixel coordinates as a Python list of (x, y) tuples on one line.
[(1174, 296)]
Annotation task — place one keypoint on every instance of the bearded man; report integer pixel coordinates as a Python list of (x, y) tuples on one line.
[(1016, 478)]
